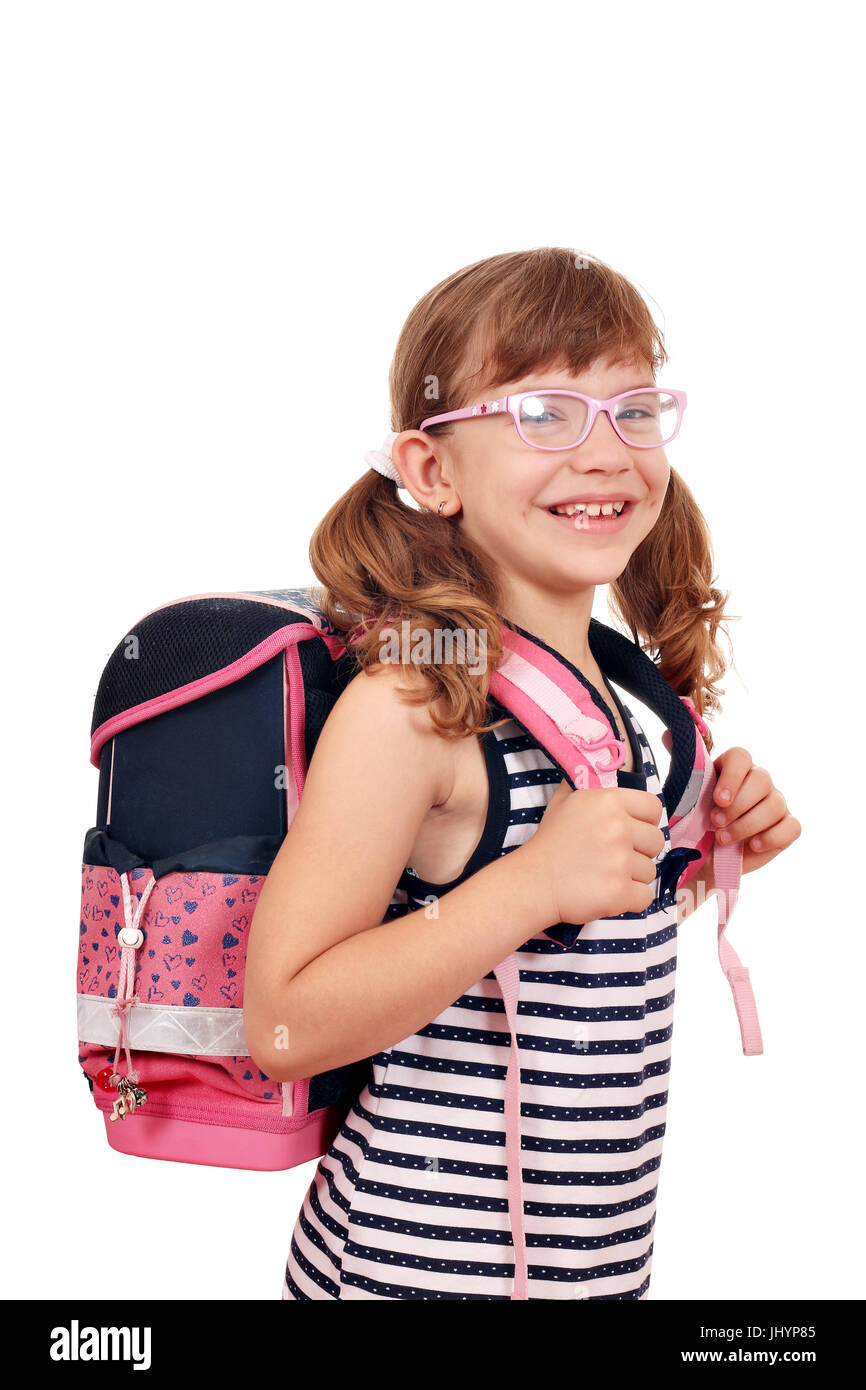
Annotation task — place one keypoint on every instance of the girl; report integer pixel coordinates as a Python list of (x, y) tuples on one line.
[(421, 780)]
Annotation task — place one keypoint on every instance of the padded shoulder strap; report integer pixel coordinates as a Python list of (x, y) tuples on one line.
[(557, 709), (624, 662), (543, 693)]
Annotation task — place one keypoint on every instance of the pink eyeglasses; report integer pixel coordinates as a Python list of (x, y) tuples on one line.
[(646, 418)]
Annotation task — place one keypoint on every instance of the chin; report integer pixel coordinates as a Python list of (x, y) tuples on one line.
[(603, 570)]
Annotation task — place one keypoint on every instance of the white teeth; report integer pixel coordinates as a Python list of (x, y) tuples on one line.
[(590, 509)]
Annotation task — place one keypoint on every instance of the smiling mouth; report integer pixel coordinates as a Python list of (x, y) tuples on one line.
[(613, 508), (594, 517)]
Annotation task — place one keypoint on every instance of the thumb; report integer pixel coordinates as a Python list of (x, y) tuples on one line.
[(667, 742)]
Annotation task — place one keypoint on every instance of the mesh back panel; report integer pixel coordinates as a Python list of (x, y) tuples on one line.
[(324, 682), (183, 642)]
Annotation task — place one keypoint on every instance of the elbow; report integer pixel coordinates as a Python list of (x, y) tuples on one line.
[(278, 1063), (274, 1046)]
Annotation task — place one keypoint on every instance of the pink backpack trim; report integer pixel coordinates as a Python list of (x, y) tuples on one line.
[(184, 694)]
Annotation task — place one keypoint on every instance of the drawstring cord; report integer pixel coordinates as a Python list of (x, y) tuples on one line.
[(130, 938)]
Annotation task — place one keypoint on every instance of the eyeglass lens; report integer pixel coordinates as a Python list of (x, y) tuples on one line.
[(558, 422)]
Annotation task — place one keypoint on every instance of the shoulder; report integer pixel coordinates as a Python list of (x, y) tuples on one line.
[(377, 716)]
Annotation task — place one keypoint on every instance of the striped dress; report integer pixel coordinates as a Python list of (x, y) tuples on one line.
[(410, 1201)]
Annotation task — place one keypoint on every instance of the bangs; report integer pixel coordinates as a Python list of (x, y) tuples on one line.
[(554, 310)]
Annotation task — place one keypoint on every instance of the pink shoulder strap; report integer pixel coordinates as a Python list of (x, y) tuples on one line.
[(695, 830), (557, 709)]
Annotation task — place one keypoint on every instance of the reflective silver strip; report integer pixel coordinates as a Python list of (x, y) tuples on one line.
[(164, 1028), (691, 792)]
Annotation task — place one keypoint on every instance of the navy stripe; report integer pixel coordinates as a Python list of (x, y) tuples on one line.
[(330, 1289)]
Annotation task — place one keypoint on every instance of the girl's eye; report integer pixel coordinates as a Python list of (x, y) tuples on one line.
[(640, 408), (537, 412)]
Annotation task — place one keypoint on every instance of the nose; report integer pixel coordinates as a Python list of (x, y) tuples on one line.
[(603, 432), (602, 449)]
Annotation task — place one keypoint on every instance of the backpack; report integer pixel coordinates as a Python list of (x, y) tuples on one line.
[(204, 724)]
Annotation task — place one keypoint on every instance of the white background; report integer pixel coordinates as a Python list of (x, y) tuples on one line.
[(211, 209)]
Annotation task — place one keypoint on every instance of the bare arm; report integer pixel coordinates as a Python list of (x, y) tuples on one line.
[(321, 961)]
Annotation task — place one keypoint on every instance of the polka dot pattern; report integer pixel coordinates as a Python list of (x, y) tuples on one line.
[(410, 1201)]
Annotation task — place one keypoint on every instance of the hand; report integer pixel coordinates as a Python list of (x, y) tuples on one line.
[(748, 807), (594, 852)]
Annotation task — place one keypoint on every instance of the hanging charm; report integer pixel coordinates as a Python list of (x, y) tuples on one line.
[(129, 1097)]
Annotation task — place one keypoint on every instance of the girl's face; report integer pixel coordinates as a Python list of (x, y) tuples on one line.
[(503, 489)]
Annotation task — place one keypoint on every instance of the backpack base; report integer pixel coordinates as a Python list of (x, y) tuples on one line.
[(222, 1146)]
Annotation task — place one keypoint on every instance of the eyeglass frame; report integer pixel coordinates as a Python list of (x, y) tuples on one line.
[(511, 404)]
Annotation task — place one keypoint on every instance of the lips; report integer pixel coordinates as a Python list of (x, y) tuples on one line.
[(595, 525)]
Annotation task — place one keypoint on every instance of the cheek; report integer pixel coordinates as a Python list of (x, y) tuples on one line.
[(504, 497), (657, 486)]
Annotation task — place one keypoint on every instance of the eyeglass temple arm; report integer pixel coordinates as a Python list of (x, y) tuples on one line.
[(468, 412)]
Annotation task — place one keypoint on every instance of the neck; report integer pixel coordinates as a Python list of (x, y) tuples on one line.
[(561, 622)]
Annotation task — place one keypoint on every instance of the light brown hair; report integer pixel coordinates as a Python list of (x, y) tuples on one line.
[(380, 562)]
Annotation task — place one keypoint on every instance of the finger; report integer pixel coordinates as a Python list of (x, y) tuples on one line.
[(756, 787), (648, 839), (767, 813), (562, 791), (732, 768), (643, 870), (776, 837), (645, 806), (642, 896)]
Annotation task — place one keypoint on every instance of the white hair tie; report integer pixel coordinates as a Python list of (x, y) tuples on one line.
[(381, 460)]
